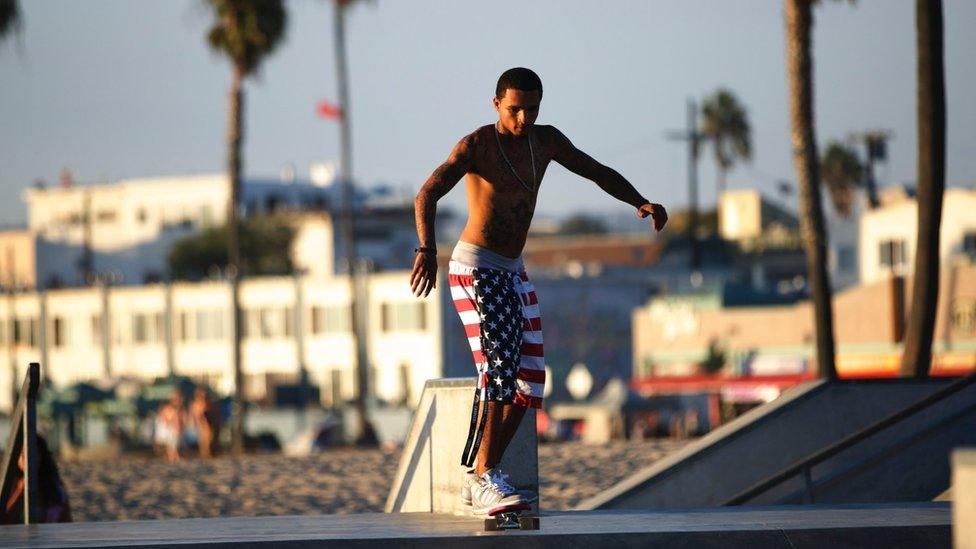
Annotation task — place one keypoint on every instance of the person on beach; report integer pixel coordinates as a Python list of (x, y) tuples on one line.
[(205, 420), (170, 425), (503, 165)]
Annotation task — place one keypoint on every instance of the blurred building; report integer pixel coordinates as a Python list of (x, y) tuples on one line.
[(768, 234), (888, 233), (290, 324), (126, 228), (18, 257), (690, 335)]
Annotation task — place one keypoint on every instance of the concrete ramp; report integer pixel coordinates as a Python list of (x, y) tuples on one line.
[(430, 473), (925, 526), (907, 461), (762, 442)]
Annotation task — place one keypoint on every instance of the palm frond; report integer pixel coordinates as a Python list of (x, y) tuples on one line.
[(10, 18), (247, 31)]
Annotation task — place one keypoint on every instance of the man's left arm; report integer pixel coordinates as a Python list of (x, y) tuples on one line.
[(606, 178)]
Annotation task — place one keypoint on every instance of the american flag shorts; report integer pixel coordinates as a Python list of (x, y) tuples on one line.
[(500, 313)]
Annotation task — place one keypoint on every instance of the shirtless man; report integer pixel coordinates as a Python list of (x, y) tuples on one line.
[(503, 165)]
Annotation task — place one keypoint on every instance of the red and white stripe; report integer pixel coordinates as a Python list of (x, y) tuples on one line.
[(531, 377)]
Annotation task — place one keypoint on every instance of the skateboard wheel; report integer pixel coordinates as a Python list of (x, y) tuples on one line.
[(529, 523)]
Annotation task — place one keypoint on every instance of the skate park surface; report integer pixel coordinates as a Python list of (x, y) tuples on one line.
[(901, 525), (425, 513)]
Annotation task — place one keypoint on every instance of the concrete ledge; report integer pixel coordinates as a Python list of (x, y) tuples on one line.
[(964, 498), (429, 474), (910, 525)]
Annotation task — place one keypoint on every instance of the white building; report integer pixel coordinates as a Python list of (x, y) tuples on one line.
[(888, 233), (151, 331), (129, 226)]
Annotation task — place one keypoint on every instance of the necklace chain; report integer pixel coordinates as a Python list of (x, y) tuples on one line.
[(515, 173)]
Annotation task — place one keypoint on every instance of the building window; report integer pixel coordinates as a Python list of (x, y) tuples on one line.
[(270, 323), (210, 325), (59, 329), (147, 328), (26, 332), (330, 319), (195, 325), (403, 316), (105, 216), (96, 329), (969, 243), (892, 253)]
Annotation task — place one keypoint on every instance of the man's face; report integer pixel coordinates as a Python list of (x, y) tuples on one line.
[(517, 110)]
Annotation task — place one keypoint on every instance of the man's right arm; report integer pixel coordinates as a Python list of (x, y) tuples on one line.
[(460, 162), (439, 184)]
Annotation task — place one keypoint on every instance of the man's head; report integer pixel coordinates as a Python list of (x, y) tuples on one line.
[(517, 98)]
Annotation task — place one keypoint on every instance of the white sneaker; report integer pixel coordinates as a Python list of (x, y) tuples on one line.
[(501, 479), (471, 478), (487, 495)]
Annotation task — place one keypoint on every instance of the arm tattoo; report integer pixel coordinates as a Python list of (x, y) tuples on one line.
[(460, 162)]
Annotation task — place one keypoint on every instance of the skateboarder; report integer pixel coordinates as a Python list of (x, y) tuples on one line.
[(503, 165)]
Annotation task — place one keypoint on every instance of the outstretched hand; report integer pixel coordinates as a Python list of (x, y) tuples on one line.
[(424, 276), (656, 211)]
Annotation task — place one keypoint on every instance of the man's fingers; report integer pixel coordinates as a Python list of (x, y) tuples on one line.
[(417, 282)]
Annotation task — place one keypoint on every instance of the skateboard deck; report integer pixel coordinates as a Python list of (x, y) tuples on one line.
[(510, 517)]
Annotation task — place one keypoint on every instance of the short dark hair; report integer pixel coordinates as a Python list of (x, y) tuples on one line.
[(519, 78)]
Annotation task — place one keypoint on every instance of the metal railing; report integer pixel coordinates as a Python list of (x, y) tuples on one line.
[(23, 440), (805, 465)]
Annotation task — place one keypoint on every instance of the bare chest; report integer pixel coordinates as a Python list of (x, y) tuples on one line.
[(512, 166)]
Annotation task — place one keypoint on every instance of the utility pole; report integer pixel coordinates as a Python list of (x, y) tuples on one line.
[(367, 435), (694, 138), (11, 329), (87, 261)]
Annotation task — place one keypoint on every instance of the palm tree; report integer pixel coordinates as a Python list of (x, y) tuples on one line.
[(931, 112), (726, 123), (246, 31), (841, 171), (10, 21), (799, 69), (9, 18), (367, 435)]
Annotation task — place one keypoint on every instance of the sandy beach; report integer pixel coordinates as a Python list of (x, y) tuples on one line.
[(339, 481)]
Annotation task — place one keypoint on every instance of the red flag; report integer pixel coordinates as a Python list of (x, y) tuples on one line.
[(328, 110)]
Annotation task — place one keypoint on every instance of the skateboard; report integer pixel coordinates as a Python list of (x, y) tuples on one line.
[(510, 517)]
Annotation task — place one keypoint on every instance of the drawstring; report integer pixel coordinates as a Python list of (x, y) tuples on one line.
[(476, 429)]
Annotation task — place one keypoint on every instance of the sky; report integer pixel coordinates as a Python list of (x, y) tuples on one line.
[(114, 89)]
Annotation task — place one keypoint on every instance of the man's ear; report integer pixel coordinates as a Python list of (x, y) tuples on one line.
[(495, 102)]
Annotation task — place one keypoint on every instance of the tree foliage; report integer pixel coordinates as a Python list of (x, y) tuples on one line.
[(581, 223), (246, 31), (726, 123), (265, 250), (841, 170), (10, 19)]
